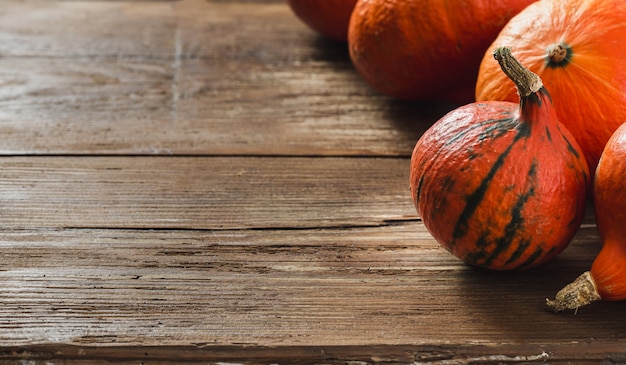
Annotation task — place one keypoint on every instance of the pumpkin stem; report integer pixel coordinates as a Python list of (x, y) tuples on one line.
[(557, 53), (526, 81), (581, 291)]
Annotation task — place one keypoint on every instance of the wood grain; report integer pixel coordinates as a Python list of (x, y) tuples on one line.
[(388, 285), (581, 354), (211, 182), (202, 192), (187, 78)]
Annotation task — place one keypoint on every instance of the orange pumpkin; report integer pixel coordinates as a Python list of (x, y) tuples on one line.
[(501, 185), (578, 49), (607, 278), (425, 49), (327, 17)]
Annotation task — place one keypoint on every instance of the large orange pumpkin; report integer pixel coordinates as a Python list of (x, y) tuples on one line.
[(327, 17), (425, 49), (578, 48), (606, 280), (501, 185)]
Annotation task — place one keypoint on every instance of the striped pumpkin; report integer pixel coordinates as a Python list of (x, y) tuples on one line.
[(498, 184)]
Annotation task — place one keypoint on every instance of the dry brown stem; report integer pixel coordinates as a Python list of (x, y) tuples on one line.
[(578, 293), (525, 80)]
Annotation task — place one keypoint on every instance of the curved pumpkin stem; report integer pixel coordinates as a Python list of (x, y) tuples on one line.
[(526, 81), (578, 293)]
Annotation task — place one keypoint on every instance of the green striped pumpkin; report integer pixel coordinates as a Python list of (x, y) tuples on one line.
[(501, 185)]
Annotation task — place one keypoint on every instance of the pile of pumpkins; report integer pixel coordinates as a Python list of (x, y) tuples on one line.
[(543, 89)]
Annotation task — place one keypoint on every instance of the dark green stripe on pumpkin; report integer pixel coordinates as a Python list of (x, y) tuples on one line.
[(532, 98), (474, 199), (494, 125), (519, 251), (536, 98), (504, 125), (516, 223), (447, 183), (498, 129), (543, 91), (570, 146), (532, 259), (480, 255)]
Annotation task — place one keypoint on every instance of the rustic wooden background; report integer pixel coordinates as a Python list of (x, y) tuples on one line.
[(210, 181)]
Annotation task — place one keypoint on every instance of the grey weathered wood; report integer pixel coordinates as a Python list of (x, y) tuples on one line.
[(190, 77), (203, 192), (387, 285), (280, 231)]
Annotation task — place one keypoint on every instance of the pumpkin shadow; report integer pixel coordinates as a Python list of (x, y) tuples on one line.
[(408, 118), (328, 50), (511, 305), (412, 118)]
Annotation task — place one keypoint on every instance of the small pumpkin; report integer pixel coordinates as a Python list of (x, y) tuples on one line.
[(425, 49), (329, 18), (498, 184), (607, 278), (577, 47)]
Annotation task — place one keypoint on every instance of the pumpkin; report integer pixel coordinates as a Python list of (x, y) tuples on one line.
[(501, 185), (577, 48), (607, 278), (425, 49), (329, 18)]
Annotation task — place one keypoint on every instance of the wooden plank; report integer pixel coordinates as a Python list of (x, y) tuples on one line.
[(565, 354), (202, 192), (144, 29), (187, 78), (52, 107), (387, 285), (230, 253), (323, 294)]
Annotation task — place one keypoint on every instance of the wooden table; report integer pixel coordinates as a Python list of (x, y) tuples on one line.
[(211, 182)]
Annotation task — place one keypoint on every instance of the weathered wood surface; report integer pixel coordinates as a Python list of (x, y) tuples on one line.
[(365, 286), (202, 192), (187, 77), (210, 182)]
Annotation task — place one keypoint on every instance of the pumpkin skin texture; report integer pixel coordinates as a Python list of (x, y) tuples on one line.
[(329, 18), (609, 194), (500, 185), (607, 278), (425, 49), (588, 85)]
